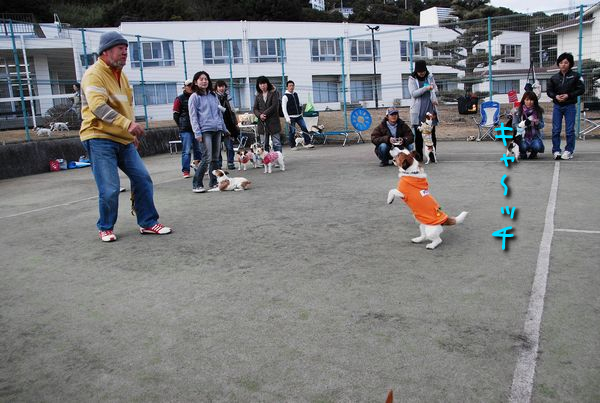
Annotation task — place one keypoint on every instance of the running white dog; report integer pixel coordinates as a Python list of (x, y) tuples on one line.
[(59, 126), (413, 188), (226, 183), (42, 131)]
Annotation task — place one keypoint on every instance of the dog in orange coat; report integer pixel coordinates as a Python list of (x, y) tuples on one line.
[(413, 188)]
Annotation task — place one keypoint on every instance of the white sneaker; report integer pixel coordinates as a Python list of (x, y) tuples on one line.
[(567, 155), (309, 146), (556, 155), (199, 190), (107, 236)]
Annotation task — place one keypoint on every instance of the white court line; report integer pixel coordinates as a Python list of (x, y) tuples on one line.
[(583, 231), (68, 203), (522, 385)]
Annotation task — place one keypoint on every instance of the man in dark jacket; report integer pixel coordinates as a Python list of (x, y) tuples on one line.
[(391, 132), (563, 88), (181, 117), (230, 123)]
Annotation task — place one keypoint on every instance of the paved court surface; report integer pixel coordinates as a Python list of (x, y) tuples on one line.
[(306, 288)]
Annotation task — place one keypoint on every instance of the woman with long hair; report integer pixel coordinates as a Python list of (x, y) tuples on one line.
[(206, 117), (422, 88), (531, 113), (266, 109)]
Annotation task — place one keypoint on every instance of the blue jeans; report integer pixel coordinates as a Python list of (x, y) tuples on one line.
[(228, 140), (107, 157), (210, 146), (534, 146), (383, 152), (569, 112), (188, 142), (292, 133)]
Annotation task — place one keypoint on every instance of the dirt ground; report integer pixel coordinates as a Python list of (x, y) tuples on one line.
[(452, 126)]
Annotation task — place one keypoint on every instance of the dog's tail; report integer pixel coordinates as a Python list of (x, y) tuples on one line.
[(456, 220)]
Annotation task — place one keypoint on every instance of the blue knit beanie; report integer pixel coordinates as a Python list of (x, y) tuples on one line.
[(110, 40)]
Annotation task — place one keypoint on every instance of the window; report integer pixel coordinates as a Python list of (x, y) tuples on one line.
[(217, 52), (405, 91), (91, 58), (510, 53), (419, 50), (154, 54), (325, 91), (362, 50), (156, 94), (361, 89), (502, 87), (442, 54), (446, 82), (266, 50), (325, 50)]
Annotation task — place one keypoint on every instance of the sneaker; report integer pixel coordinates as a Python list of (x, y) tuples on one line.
[(384, 164), (122, 189), (566, 155), (199, 190), (231, 166), (294, 149), (533, 156), (157, 229), (556, 155), (107, 236), (309, 146), (186, 174)]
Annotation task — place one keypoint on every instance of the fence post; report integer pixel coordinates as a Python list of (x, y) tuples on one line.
[(139, 43), (344, 83), (579, 69), (18, 67), (282, 50), (184, 60), (230, 51), (85, 58), (410, 49), (489, 27), (28, 75)]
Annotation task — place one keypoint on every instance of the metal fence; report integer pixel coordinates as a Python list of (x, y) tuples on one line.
[(338, 67)]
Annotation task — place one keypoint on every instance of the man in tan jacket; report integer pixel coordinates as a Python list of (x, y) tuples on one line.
[(110, 136)]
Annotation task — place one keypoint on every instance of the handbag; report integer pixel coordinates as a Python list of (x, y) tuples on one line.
[(532, 83)]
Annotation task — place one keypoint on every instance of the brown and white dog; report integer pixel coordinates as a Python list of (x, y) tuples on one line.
[(413, 188), (270, 158), (244, 157), (426, 129), (225, 183)]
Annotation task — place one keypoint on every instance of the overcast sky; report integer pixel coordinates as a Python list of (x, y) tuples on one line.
[(532, 6)]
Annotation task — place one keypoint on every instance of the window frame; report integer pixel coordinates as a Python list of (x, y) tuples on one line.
[(357, 56), (256, 45), (153, 61), (320, 57), (236, 50)]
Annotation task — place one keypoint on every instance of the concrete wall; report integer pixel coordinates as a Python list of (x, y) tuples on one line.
[(31, 158)]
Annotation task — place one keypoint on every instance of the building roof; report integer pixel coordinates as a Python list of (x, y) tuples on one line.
[(588, 18)]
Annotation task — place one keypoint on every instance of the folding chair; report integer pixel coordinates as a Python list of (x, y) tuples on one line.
[(490, 118), (589, 123)]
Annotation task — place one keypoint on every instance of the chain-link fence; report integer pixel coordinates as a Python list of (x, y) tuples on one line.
[(335, 67)]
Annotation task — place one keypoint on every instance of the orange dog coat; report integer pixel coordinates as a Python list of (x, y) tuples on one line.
[(424, 207)]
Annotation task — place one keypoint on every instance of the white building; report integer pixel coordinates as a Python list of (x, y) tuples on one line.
[(318, 4), (436, 16), (327, 61)]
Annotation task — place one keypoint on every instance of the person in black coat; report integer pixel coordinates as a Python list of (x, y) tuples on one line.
[(392, 131), (563, 88)]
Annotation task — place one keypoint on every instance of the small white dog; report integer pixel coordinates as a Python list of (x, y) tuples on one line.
[(426, 129), (413, 188), (226, 183), (42, 131), (244, 157), (270, 158), (512, 150), (59, 126)]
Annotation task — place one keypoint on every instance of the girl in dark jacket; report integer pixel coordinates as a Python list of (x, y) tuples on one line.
[(266, 109)]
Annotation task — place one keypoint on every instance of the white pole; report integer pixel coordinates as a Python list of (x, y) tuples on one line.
[(31, 101)]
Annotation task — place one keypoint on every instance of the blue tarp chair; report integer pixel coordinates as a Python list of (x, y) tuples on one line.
[(490, 118)]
